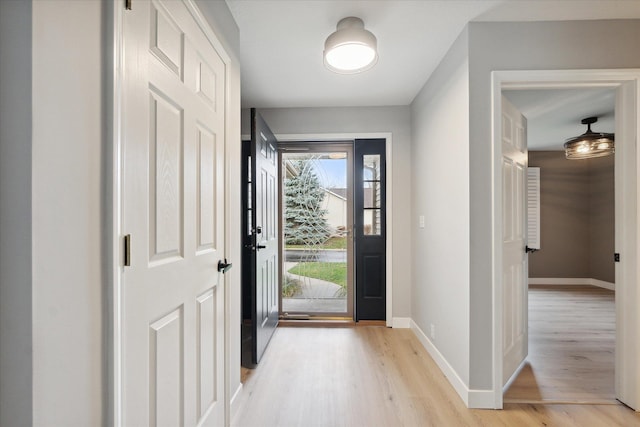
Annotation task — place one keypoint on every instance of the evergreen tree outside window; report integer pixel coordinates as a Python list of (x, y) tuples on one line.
[(305, 220)]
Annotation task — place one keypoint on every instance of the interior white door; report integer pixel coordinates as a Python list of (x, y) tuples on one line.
[(514, 227), (173, 208)]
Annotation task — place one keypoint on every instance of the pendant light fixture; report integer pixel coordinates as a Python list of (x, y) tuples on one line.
[(590, 144), (350, 49)]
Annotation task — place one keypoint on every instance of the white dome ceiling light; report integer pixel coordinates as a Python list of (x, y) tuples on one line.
[(351, 49)]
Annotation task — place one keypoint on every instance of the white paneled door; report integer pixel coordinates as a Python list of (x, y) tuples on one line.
[(514, 232), (172, 295)]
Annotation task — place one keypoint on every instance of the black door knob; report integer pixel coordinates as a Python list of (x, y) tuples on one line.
[(224, 266)]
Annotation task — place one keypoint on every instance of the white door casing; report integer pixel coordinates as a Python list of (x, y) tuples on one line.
[(627, 85), (172, 296), (514, 232), (627, 236)]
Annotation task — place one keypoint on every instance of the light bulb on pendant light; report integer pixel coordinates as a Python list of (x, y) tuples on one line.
[(350, 49), (590, 144)]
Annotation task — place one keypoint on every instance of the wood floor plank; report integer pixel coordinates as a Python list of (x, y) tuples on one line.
[(378, 377), (571, 347)]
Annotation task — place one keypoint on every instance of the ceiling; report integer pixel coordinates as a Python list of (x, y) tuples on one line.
[(281, 44), (554, 116)]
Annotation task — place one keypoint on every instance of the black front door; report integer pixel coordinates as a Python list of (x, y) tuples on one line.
[(260, 271), (370, 229)]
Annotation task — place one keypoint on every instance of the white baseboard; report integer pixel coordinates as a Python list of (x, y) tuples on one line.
[(472, 398), (570, 281), (482, 399), (603, 284), (401, 322)]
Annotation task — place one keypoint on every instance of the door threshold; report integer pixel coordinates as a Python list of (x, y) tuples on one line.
[(372, 323), (329, 323), (317, 323)]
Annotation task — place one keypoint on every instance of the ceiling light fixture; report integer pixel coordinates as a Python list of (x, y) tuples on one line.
[(351, 49), (589, 144)]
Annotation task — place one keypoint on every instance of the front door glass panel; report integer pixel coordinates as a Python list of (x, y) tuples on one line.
[(316, 222)]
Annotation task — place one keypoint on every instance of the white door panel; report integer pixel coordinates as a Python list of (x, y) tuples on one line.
[(515, 274), (173, 208)]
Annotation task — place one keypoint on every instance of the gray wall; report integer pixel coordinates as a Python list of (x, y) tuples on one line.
[(15, 214), (564, 216), (521, 46), (491, 46), (577, 217), (362, 120), (440, 193), (67, 195)]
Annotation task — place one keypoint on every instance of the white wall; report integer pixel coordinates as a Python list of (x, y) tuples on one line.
[(440, 193), (15, 214), (521, 46), (363, 120)]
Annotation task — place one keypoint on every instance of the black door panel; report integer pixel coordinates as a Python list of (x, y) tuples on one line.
[(260, 234), (370, 229)]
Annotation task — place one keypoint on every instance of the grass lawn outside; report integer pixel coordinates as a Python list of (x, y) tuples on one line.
[(335, 272)]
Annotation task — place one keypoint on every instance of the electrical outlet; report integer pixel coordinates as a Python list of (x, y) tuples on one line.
[(433, 331), (421, 221)]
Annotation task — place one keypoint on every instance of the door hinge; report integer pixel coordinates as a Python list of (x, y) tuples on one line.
[(616, 257), (127, 4), (127, 250)]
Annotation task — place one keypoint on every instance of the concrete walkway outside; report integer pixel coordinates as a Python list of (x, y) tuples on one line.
[(315, 295)]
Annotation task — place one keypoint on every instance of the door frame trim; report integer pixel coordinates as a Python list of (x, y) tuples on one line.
[(627, 83), (114, 111), (114, 335), (388, 137)]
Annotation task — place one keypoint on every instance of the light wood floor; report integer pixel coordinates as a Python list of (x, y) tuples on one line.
[(378, 377), (571, 347)]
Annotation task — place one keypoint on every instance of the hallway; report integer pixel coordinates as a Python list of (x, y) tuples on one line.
[(375, 376)]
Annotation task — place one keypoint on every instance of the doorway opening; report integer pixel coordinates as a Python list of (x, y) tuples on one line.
[(375, 301), (571, 310), (316, 215), (320, 258), (333, 218), (625, 83)]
